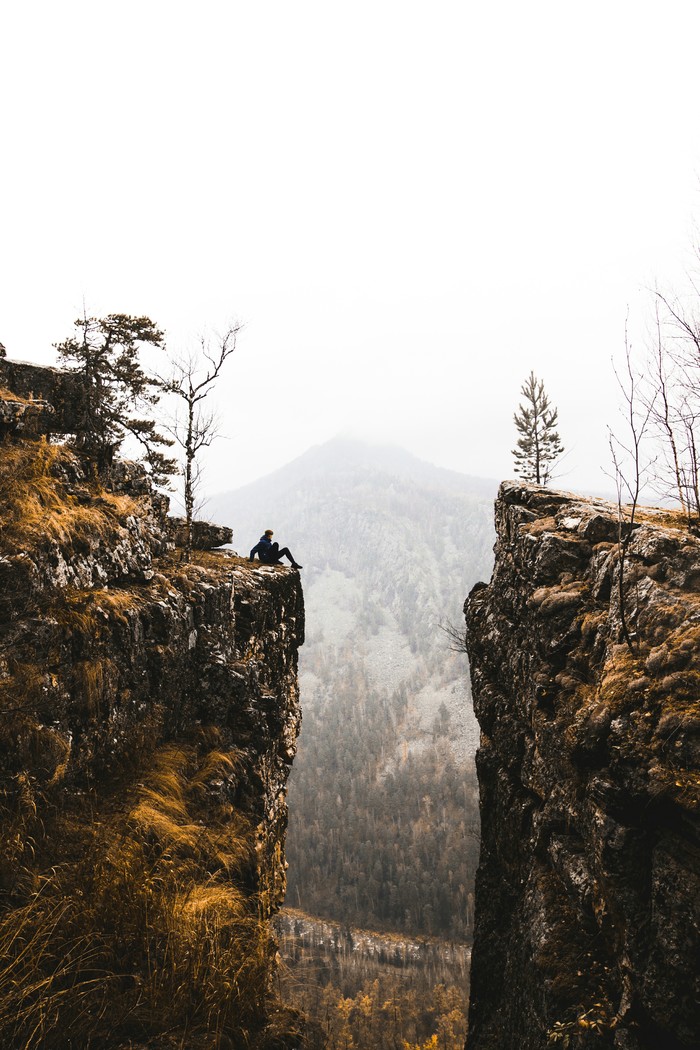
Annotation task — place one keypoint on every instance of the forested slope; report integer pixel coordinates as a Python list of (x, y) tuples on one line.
[(383, 809)]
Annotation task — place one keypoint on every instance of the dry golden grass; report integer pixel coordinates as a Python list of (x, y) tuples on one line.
[(95, 684), (154, 934), (35, 506), (20, 688), (220, 560), (216, 765), (215, 559), (202, 937), (48, 969), (119, 600), (88, 613), (164, 812), (8, 395), (671, 518), (146, 923)]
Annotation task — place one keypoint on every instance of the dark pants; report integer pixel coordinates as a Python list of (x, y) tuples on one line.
[(274, 555)]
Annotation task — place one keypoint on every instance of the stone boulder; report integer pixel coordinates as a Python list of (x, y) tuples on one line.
[(205, 535)]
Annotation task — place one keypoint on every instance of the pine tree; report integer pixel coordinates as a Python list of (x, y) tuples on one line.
[(539, 445), (105, 353)]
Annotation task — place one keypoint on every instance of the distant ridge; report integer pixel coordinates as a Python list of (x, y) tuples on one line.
[(390, 546), (346, 453), (329, 466)]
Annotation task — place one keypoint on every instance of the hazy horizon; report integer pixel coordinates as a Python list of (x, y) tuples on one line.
[(374, 452), (408, 209)]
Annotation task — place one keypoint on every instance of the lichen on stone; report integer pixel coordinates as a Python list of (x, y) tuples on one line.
[(587, 927)]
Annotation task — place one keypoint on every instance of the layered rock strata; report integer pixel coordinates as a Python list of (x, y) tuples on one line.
[(37, 385), (112, 647), (149, 715), (588, 888)]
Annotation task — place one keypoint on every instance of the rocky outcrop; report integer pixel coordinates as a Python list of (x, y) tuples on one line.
[(20, 416), (588, 885), (62, 390), (205, 535), (168, 648), (149, 702)]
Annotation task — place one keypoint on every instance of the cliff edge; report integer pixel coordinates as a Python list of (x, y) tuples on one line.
[(588, 887), (150, 712)]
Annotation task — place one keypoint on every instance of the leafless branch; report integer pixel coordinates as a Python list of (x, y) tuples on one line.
[(457, 636), (629, 477), (191, 381)]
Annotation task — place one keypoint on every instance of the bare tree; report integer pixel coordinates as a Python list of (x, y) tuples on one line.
[(195, 427), (630, 474), (663, 414), (674, 396)]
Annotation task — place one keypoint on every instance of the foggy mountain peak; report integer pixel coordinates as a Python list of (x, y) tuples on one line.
[(390, 546), (343, 455)]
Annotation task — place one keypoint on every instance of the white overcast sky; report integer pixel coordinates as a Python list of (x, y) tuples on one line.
[(409, 205)]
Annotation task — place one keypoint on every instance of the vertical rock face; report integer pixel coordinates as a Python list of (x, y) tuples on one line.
[(150, 711), (58, 391), (588, 888), (125, 649)]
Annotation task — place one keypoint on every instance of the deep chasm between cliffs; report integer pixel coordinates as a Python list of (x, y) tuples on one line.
[(150, 712), (588, 887)]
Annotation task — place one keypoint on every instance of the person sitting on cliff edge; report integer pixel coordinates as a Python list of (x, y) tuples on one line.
[(270, 553)]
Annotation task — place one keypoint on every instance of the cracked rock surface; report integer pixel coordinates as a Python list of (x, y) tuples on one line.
[(588, 888), (111, 648)]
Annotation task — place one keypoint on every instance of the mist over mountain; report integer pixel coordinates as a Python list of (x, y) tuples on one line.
[(382, 795), (390, 545)]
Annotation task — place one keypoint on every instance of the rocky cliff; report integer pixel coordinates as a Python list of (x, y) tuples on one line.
[(149, 717), (588, 888)]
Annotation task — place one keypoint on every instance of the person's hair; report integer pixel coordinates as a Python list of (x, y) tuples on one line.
[(269, 532)]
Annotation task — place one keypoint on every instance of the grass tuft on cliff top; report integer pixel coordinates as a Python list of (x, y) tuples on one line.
[(36, 505)]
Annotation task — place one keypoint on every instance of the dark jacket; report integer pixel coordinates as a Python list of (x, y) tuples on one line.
[(262, 547)]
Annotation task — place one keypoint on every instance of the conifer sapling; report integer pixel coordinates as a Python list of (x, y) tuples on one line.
[(539, 445), (116, 390)]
